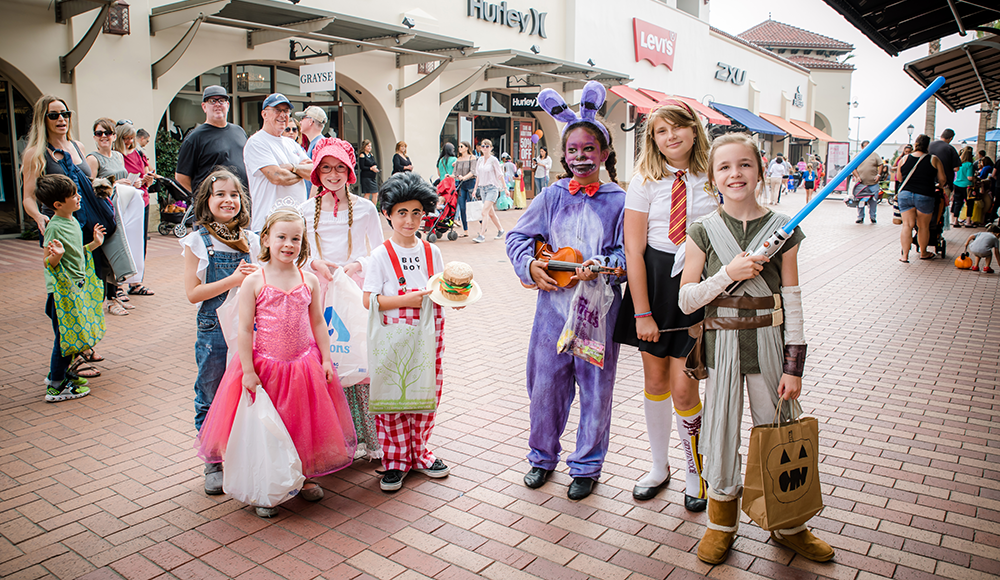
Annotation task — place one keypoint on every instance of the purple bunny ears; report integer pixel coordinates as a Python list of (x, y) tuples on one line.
[(590, 103)]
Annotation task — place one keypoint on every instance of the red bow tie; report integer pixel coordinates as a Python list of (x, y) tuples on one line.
[(589, 189)]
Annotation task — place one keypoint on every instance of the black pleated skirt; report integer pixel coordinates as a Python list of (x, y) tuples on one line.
[(663, 291)]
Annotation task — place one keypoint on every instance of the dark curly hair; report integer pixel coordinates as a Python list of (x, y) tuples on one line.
[(403, 187), (606, 145)]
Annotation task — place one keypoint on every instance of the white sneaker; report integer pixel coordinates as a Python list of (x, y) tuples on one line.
[(479, 239), (500, 235)]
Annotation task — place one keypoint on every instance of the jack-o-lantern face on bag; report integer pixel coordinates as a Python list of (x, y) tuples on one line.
[(791, 469)]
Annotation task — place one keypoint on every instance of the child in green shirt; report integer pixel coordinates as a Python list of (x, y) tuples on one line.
[(63, 246)]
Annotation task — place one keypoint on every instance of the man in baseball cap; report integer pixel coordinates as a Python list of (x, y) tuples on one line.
[(313, 121), (275, 166), (216, 142)]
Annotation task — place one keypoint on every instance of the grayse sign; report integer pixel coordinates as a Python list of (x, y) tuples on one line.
[(524, 102), (731, 74), (532, 22)]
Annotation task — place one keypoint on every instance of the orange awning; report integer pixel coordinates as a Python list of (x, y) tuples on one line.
[(642, 103), (788, 127), (712, 115), (821, 135)]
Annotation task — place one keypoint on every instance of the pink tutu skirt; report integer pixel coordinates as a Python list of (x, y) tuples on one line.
[(314, 411)]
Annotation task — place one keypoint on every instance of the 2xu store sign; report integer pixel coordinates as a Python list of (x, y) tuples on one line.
[(532, 22), (314, 78), (654, 44)]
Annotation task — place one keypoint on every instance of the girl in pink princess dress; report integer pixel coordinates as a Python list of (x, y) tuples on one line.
[(289, 356)]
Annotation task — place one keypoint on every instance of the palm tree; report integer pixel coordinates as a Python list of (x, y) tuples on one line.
[(930, 118)]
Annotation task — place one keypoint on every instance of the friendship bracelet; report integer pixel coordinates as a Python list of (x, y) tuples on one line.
[(644, 314)]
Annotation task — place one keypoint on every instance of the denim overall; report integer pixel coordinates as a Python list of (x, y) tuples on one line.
[(210, 351)]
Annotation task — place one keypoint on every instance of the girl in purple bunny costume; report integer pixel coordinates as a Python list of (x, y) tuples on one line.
[(585, 214)]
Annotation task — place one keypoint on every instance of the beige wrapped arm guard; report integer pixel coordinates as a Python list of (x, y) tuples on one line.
[(791, 299), (694, 296)]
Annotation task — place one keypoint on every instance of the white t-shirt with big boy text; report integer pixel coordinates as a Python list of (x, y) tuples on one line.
[(381, 276), (263, 149)]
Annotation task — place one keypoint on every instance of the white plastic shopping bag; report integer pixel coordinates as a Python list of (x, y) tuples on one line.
[(229, 319), (585, 333), (347, 321), (263, 468), (403, 362)]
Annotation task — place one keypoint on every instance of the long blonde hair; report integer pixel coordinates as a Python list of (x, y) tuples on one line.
[(38, 137), (121, 133), (652, 164)]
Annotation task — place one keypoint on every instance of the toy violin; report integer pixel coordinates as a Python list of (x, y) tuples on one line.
[(562, 264)]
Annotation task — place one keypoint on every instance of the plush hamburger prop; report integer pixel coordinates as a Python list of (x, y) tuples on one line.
[(454, 286)]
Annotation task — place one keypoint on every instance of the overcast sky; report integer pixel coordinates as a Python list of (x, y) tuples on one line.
[(878, 84)]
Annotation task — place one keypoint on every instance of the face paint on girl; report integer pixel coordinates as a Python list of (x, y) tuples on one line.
[(584, 156)]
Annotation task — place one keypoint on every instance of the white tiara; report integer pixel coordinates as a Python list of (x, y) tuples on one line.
[(286, 203)]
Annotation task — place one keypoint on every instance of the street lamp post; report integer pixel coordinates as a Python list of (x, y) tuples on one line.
[(909, 133), (857, 136)]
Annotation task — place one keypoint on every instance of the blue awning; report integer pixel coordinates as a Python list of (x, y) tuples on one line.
[(747, 119)]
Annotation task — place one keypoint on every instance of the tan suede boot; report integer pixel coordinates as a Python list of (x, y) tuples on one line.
[(723, 521), (804, 543)]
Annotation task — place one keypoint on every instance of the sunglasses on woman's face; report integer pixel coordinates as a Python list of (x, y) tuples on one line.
[(104, 133), (54, 116), (291, 130)]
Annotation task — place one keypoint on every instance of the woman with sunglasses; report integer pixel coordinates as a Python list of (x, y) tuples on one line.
[(136, 163), (293, 131), (109, 164), (48, 141)]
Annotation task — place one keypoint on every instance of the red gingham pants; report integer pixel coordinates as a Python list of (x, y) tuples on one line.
[(404, 436)]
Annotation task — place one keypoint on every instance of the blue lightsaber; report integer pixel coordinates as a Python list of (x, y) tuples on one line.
[(771, 246)]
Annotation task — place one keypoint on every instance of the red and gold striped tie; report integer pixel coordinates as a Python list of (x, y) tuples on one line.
[(678, 211)]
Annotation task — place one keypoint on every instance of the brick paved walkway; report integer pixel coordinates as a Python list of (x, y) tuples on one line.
[(109, 486)]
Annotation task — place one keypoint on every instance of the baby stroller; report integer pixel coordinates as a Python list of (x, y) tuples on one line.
[(937, 226), (176, 208), (440, 223)]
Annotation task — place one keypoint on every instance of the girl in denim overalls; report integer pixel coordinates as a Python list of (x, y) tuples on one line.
[(217, 258)]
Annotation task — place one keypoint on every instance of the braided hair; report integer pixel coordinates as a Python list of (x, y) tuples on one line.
[(350, 222)]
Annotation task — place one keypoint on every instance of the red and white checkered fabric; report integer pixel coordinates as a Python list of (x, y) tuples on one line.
[(404, 436)]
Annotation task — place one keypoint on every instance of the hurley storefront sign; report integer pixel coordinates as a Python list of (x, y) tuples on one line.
[(532, 22)]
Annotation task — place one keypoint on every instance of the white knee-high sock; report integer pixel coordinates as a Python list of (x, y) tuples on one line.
[(688, 429), (658, 409)]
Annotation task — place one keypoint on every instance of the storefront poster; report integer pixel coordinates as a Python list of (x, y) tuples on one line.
[(837, 158), (525, 149)]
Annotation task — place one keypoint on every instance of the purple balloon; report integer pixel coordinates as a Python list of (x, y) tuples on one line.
[(534, 138)]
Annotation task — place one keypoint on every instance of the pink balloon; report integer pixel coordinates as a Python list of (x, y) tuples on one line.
[(534, 138)]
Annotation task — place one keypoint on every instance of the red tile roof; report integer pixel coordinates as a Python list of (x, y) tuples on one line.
[(810, 62), (772, 33), (748, 44)]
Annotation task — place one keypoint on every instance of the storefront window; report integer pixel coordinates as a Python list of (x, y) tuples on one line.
[(461, 106), (499, 103), (216, 76), (191, 86), (186, 112), (287, 83), (479, 101), (253, 79)]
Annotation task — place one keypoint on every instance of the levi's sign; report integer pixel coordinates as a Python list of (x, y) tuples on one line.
[(654, 44), (317, 77), (532, 22)]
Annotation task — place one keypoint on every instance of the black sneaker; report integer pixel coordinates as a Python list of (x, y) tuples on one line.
[(69, 388), (438, 470), (392, 479)]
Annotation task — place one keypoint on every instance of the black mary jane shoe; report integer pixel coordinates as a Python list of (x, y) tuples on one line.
[(641, 493), (537, 477), (581, 488), (694, 504)]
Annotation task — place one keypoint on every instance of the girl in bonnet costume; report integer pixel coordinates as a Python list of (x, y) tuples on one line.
[(343, 227)]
